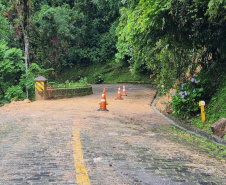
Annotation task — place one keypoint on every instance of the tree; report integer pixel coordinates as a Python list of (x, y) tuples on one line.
[(19, 15), (175, 36), (52, 34), (63, 36)]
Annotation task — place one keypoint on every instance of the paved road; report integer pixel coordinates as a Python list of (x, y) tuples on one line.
[(69, 142)]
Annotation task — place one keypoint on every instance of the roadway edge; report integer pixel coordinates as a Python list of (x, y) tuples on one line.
[(190, 130)]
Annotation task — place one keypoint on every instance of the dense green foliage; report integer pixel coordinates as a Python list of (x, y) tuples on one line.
[(5, 32), (66, 35), (99, 73), (13, 79), (170, 38), (11, 69), (217, 107)]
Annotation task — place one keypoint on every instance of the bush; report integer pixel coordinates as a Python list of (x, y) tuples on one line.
[(83, 81), (216, 109), (15, 93), (98, 78), (186, 102)]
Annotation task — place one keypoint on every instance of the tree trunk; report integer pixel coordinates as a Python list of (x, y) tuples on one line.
[(19, 9), (26, 55)]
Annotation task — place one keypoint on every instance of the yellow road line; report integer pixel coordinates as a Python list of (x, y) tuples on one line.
[(80, 168)]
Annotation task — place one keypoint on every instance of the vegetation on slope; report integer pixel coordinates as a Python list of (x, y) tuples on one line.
[(215, 110)]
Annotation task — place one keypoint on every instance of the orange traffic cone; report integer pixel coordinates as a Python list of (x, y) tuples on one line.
[(104, 92), (124, 90), (105, 96), (103, 102), (119, 94)]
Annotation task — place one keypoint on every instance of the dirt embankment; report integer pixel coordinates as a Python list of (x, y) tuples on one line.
[(162, 103)]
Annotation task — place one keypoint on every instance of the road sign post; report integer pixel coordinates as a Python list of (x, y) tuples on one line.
[(202, 104)]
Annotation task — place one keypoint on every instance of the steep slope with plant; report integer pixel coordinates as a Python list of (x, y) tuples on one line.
[(170, 40)]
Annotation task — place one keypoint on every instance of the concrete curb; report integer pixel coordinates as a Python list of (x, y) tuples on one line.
[(191, 130)]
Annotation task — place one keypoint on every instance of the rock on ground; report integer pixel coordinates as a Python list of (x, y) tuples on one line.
[(219, 127)]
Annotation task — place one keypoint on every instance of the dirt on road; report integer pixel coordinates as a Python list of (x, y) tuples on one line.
[(128, 144)]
